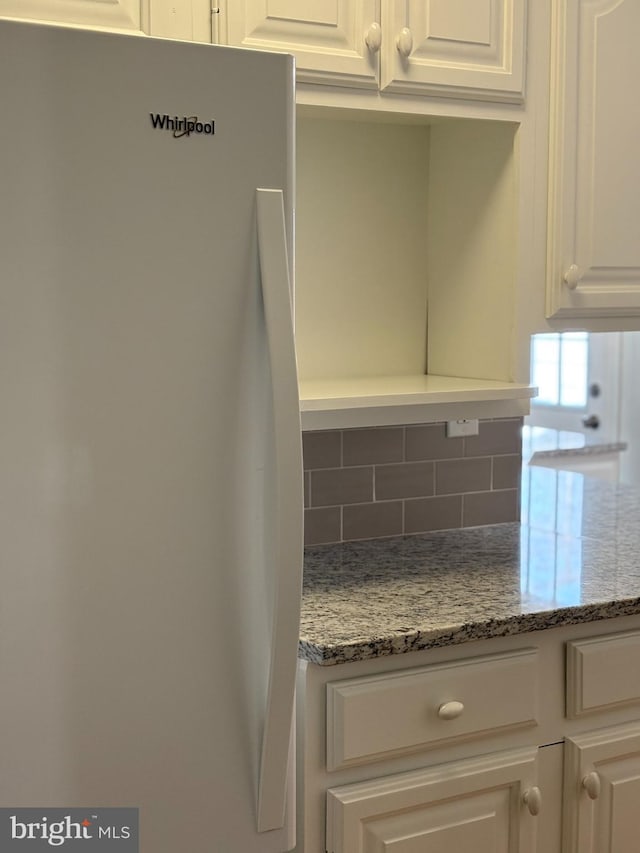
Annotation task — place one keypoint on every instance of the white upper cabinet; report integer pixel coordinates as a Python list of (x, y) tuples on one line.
[(464, 48), (456, 48), (180, 19), (113, 14), (334, 41), (594, 211)]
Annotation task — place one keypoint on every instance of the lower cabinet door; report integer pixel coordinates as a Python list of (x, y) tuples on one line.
[(602, 791), (485, 805)]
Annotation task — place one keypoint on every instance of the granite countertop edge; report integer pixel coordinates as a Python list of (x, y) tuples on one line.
[(402, 643)]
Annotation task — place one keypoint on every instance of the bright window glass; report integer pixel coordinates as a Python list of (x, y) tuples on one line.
[(559, 368)]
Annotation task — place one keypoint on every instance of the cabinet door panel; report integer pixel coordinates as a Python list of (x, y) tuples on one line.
[(602, 791), (455, 48), (481, 825), (594, 236), (327, 37), (116, 14), (477, 804)]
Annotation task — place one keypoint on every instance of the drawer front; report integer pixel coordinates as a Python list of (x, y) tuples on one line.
[(395, 713), (603, 673)]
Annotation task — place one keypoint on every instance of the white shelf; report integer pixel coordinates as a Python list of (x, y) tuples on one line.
[(385, 400)]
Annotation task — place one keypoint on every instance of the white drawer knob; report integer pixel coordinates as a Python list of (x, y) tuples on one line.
[(450, 710), (591, 784), (532, 798), (572, 276), (404, 42), (373, 37)]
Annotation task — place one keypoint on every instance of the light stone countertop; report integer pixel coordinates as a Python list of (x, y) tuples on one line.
[(575, 557)]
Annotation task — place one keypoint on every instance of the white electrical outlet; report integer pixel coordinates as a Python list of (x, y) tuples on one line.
[(463, 426)]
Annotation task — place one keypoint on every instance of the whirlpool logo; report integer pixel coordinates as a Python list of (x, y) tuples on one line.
[(106, 830), (184, 126)]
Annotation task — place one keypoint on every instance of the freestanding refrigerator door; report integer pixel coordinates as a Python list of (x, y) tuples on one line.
[(139, 486)]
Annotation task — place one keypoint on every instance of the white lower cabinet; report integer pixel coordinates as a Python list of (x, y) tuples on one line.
[(602, 791), (497, 746), (488, 805)]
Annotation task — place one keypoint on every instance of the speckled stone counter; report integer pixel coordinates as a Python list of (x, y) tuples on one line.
[(575, 557)]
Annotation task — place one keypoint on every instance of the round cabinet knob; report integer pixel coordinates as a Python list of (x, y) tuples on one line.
[(532, 798), (373, 37), (404, 42), (572, 276), (450, 710), (591, 784)]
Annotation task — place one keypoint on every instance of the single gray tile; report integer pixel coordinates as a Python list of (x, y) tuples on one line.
[(456, 476), (341, 486), (322, 525), (372, 521), (507, 472), (425, 514), (490, 507), (406, 480), (322, 449), (307, 487), (430, 441), (495, 437), (372, 446)]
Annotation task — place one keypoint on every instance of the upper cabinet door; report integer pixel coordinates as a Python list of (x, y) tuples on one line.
[(333, 41), (594, 211), (114, 14), (460, 48)]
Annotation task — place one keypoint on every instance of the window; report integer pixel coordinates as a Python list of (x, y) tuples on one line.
[(560, 364), (578, 378)]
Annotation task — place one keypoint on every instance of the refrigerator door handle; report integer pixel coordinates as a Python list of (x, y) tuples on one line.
[(274, 272)]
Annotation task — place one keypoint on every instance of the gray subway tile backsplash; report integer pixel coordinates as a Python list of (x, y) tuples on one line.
[(370, 446), (405, 480), (335, 486), (322, 525), (490, 507), (506, 472), (322, 449), (372, 520), (438, 513), (495, 438), (430, 441), (385, 481), (456, 476)]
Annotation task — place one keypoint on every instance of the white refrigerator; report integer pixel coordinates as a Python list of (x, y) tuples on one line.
[(150, 454)]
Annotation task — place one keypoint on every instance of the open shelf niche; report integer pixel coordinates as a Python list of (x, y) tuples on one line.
[(406, 239)]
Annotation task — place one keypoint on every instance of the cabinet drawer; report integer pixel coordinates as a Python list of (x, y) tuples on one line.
[(603, 672), (376, 717)]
